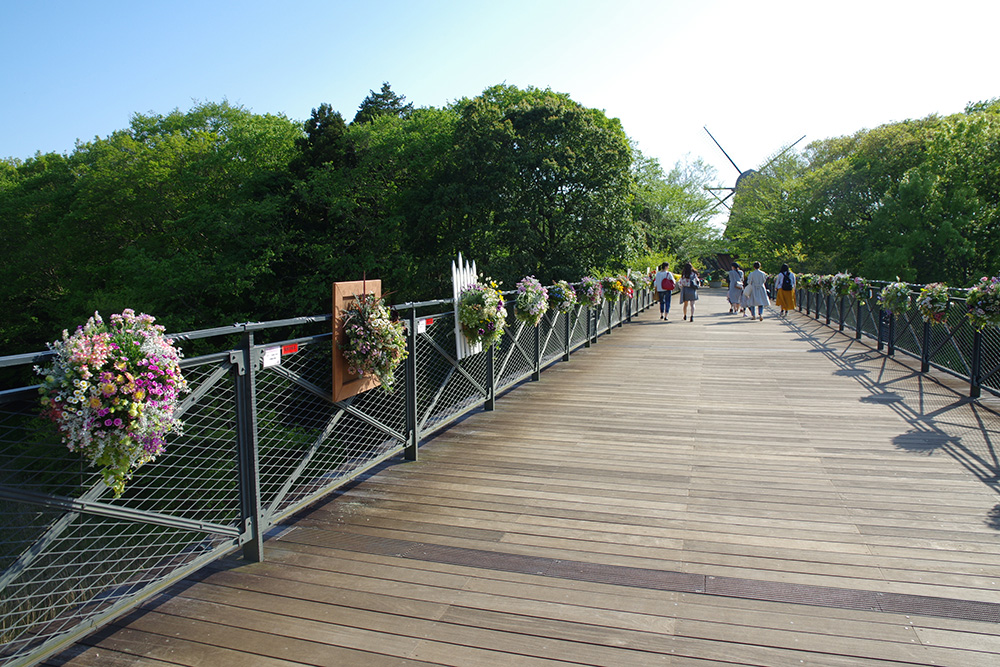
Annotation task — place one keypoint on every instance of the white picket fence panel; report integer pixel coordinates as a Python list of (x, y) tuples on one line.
[(463, 274)]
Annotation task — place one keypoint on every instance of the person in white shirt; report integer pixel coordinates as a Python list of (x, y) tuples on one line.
[(784, 290), (758, 293), (664, 281)]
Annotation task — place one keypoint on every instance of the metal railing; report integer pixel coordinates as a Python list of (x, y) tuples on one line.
[(258, 445), (953, 345)]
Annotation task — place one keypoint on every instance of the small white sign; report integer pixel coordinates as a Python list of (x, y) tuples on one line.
[(272, 357), (422, 324)]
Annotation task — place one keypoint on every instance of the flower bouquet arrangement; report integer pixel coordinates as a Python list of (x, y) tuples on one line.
[(532, 301), (628, 287), (614, 289), (112, 390), (933, 302), (843, 284), (983, 301), (809, 282), (562, 297), (591, 291), (481, 313), (638, 281), (895, 297), (375, 344)]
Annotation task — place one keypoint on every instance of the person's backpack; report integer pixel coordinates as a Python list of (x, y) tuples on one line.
[(786, 282), (667, 284)]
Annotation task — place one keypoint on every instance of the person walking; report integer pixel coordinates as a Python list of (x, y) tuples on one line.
[(690, 282), (665, 282), (784, 290), (735, 287), (758, 292)]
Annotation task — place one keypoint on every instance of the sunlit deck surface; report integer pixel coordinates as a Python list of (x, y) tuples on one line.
[(684, 493)]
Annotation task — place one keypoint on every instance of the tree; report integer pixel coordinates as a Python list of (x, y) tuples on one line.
[(383, 103), (542, 185), (325, 142), (675, 208)]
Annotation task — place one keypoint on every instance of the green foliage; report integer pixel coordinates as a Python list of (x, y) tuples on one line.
[(218, 215), (383, 103), (915, 199), (675, 209), (540, 185)]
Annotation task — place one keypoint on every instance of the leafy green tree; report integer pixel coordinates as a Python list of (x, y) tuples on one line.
[(542, 185), (324, 143), (675, 209), (383, 103)]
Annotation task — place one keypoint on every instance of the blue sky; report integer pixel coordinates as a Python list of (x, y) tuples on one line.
[(758, 74)]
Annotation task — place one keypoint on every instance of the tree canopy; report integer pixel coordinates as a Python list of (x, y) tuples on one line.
[(220, 215), (917, 200)]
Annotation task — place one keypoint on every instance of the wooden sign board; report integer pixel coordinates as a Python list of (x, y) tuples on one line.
[(345, 383)]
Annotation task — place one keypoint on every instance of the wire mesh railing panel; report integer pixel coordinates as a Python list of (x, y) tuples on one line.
[(578, 325), (870, 315), (446, 387), (89, 566), (990, 369), (908, 331), (196, 478), (553, 335), (850, 313), (515, 354), (32, 458), (950, 343)]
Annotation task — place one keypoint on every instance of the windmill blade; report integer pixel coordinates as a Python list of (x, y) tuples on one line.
[(721, 200), (738, 170), (787, 148)]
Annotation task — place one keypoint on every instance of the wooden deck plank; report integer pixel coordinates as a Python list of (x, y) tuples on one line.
[(848, 502)]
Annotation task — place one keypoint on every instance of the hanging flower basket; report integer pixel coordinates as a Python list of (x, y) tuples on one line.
[(481, 313), (532, 301), (562, 297), (613, 288), (591, 292), (933, 303), (843, 284), (895, 297), (983, 301), (375, 345), (112, 390)]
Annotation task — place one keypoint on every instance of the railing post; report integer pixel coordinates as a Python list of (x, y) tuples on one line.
[(858, 324), (976, 371), (843, 301), (569, 335), (412, 421), (925, 350), (246, 445), (589, 317), (491, 373), (881, 328), (892, 334), (536, 374), (829, 302)]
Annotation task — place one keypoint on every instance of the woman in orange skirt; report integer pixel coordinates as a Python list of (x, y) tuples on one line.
[(784, 289)]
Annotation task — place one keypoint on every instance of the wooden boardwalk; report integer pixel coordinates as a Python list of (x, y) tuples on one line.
[(684, 493)]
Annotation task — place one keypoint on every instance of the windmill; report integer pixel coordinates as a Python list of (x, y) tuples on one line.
[(742, 174)]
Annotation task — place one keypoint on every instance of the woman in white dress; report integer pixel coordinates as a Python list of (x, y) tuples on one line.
[(758, 293)]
